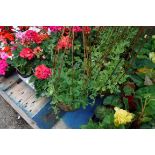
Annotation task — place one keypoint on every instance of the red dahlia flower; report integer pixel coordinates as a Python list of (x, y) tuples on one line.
[(42, 72), (27, 53)]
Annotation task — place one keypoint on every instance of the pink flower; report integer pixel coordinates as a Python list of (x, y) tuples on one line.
[(27, 53), (56, 28), (42, 72), (3, 67), (20, 35), (3, 55), (77, 29)]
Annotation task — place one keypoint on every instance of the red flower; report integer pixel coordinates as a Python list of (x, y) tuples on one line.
[(23, 28), (77, 29), (2, 27), (37, 50), (64, 42), (45, 28), (9, 36), (33, 36), (43, 36), (42, 72), (87, 29), (27, 53), (7, 49)]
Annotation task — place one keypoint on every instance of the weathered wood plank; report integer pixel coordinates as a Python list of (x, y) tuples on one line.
[(7, 83)]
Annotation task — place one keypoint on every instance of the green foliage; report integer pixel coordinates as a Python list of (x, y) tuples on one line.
[(128, 90), (105, 115), (108, 65), (113, 100)]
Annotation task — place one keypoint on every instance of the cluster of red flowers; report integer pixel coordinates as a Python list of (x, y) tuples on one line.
[(27, 53), (87, 29), (64, 42), (6, 34), (77, 29), (33, 36), (7, 37), (42, 72)]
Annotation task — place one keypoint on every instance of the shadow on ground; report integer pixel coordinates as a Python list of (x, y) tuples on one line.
[(9, 118)]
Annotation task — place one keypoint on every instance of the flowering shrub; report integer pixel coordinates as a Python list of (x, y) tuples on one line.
[(42, 72)]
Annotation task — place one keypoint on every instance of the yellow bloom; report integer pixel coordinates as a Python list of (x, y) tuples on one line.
[(122, 117), (152, 56), (144, 70)]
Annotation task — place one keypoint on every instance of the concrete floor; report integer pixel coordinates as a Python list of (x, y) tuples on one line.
[(9, 118)]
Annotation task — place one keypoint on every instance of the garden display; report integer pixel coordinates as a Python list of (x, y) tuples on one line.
[(75, 65)]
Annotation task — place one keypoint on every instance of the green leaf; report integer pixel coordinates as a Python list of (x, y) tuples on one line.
[(113, 100)]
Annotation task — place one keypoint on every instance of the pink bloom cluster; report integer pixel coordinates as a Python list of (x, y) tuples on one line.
[(3, 55), (27, 53), (56, 28), (64, 43), (3, 67), (42, 72)]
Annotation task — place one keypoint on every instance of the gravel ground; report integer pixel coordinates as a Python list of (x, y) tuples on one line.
[(9, 118)]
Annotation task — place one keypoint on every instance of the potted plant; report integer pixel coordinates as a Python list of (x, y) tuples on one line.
[(27, 50), (7, 39)]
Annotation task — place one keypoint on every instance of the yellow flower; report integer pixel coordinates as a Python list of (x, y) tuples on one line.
[(122, 117), (152, 56), (144, 70)]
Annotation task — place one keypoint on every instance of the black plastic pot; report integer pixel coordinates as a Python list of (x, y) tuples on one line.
[(11, 70), (23, 75)]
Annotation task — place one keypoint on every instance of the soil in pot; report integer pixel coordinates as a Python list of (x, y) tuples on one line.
[(65, 107)]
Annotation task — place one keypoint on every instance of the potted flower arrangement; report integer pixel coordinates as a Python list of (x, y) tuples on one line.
[(6, 47), (66, 75), (27, 49)]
